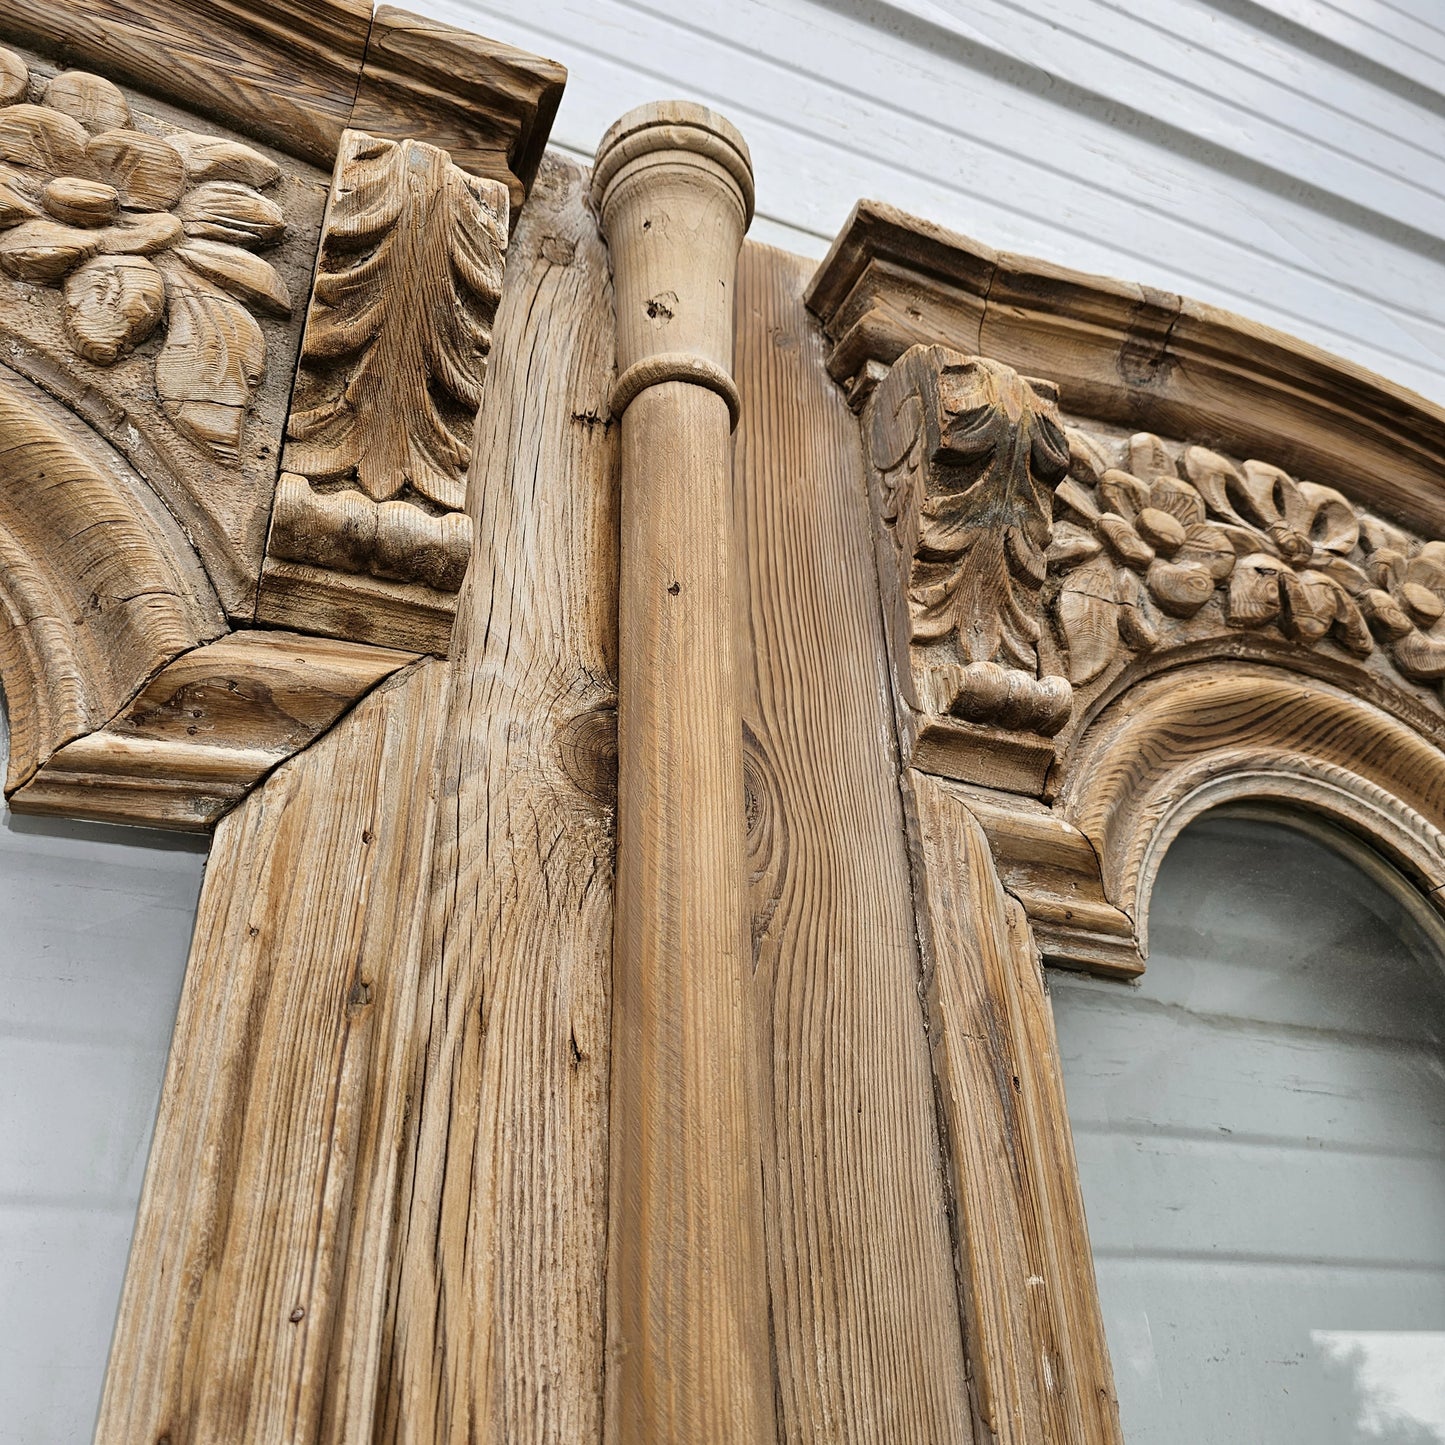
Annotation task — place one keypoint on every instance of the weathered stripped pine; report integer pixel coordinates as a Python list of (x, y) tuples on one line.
[(865, 1313), (495, 1322)]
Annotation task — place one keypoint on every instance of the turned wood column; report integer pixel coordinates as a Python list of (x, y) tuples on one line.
[(689, 1357)]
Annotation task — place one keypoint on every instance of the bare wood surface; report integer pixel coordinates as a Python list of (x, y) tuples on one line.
[(368, 536), (246, 1313), (99, 588), (283, 70), (489, 104), (689, 1354), (1035, 1336), (206, 729), (1193, 737), (496, 1318), (1129, 354), (864, 1308)]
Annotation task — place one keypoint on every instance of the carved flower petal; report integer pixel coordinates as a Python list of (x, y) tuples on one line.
[(246, 277), (1087, 460), (1311, 604), (146, 171), (1180, 588), (1124, 542), (1385, 614), (140, 234), (1123, 493), (1420, 655), (1148, 457), (1427, 568), (81, 202), (229, 211), (1179, 499), (1217, 480), (1334, 527), (1210, 547), (42, 140), (15, 205), (210, 158), (1087, 612), (43, 250), (1078, 499), (1254, 591), (14, 77), (211, 363), (1274, 498), (1070, 545), (91, 99), (1350, 628), (111, 304)]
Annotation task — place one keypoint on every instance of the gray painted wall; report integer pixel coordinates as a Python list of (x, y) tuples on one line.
[(95, 924), (1260, 1127)]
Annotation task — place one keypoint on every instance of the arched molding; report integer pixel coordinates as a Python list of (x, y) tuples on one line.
[(1192, 738), (99, 588)]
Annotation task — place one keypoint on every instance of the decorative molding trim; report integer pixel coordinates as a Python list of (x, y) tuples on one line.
[(963, 457), (1129, 355), (98, 587), (297, 76), (206, 729), (393, 360), (1226, 731)]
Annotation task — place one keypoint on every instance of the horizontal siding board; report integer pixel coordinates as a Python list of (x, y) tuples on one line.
[(1262, 177)]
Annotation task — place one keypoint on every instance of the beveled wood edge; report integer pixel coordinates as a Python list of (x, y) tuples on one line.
[(1206, 734), (206, 729), (397, 75), (1129, 354)]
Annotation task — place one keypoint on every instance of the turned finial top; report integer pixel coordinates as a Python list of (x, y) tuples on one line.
[(671, 126)]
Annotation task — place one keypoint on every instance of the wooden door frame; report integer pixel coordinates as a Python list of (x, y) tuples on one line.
[(1092, 634)]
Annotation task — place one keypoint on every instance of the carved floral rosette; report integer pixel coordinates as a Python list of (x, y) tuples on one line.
[(1151, 546), (142, 231)]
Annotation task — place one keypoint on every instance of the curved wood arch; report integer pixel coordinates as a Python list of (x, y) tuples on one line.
[(99, 588), (1187, 740)]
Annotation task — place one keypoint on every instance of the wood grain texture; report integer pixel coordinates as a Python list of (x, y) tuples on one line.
[(206, 729), (251, 1309), (99, 588), (1129, 354), (1035, 1336), (369, 508), (1193, 737), (864, 1309), (490, 105), (296, 73), (495, 1326), (285, 71), (689, 1354)]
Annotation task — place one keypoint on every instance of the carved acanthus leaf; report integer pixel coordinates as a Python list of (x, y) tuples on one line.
[(965, 455), (397, 338), (1142, 548), (138, 228)]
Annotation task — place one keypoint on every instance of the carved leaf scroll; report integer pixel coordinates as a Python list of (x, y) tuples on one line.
[(966, 454), (1142, 548), (397, 338), (142, 230)]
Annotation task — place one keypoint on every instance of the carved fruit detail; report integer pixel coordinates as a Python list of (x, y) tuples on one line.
[(134, 225), (1135, 546)]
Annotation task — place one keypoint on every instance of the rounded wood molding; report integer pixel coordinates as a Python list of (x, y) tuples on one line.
[(99, 588), (1193, 738)]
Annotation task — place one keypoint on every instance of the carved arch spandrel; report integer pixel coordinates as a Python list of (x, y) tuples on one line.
[(1196, 737), (99, 589)]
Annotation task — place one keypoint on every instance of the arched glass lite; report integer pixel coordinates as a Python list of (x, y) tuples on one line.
[(1260, 1128)]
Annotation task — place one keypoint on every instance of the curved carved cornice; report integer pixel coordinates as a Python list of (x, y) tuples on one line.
[(98, 586), (1196, 737), (1129, 355)]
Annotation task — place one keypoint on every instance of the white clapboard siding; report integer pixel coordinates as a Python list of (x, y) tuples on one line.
[(1237, 151), (95, 924), (1260, 1127)]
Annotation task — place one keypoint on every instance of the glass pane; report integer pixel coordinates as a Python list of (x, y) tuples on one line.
[(1260, 1125), (95, 925)]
